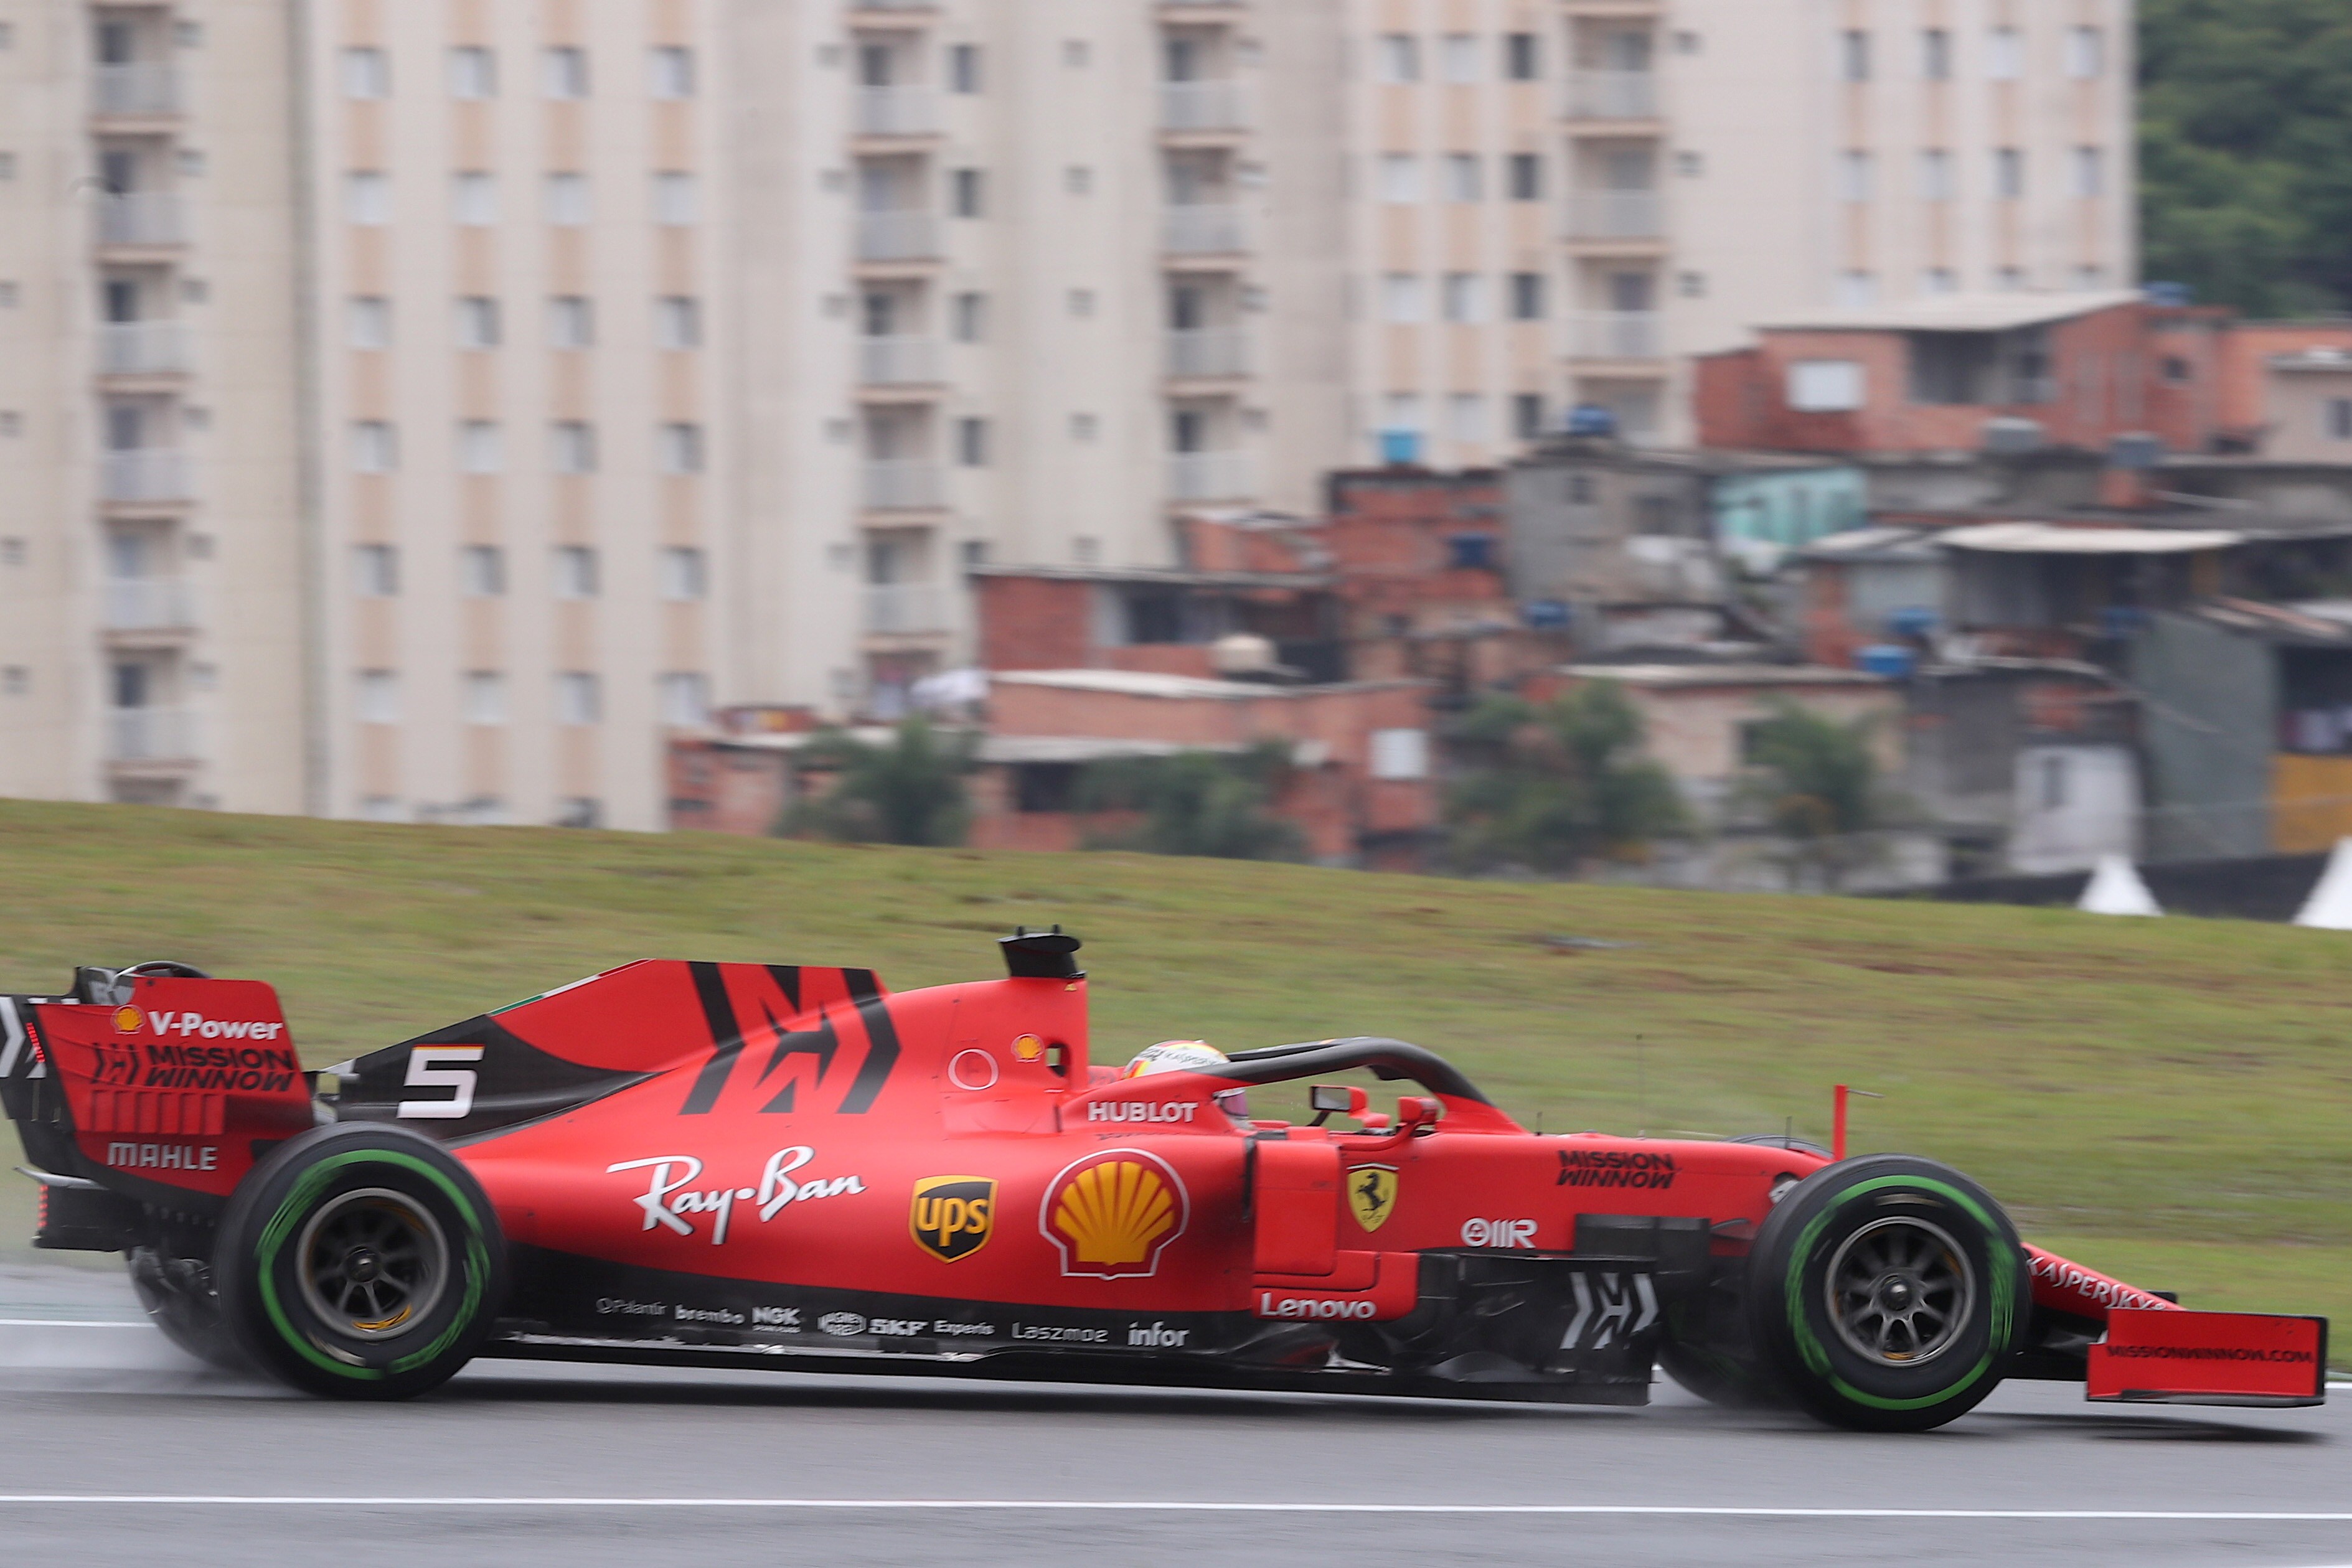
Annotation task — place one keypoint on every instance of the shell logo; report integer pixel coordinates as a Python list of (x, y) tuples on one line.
[(1028, 1048), (129, 1021), (1112, 1214)]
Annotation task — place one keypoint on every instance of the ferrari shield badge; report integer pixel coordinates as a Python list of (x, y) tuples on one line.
[(1372, 1193), (952, 1215)]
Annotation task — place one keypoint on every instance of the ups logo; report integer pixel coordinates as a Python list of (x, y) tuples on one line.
[(953, 1216)]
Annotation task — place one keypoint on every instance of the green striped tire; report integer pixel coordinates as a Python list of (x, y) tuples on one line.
[(1887, 1293), (360, 1261)]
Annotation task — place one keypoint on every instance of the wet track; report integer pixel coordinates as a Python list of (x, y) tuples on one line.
[(114, 1451)]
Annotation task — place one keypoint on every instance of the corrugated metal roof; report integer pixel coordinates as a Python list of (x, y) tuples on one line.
[(1952, 313), (2049, 539), (1694, 676)]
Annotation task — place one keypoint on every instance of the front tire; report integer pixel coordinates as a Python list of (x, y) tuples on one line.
[(1888, 1293), (360, 1261)]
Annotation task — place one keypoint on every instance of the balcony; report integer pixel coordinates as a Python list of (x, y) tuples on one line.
[(134, 92), (1205, 230), (1203, 106), (1618, 335), (897, 362), (151, 735), (149, 605), (1616, 215), (145, 474), (894, 5), (900, 485), (1208, 476), (903, 110), (904, 610), (142, 348), (1208, 352), (1612, 95), (148, 218), (908, 235)]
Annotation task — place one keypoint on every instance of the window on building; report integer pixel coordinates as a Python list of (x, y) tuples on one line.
[(376, 448), (478, 323), (563, 72), (1464, 297), (1522, 59), (379, 696), (963, 68), (670, 72), (1399, 754), (1465, 177), (565, 197), (967, 194), (1854, 54), (486, 697), (579, 698), (2008, 172), (572, 446), (1400, 298), (1936, 54), (1690, 163), (1083, 427), (1691, 285), (481, 449), (1940, 280), (1526, 176), (1078, 180), (2052, 771), (1936, 174), (972, 442), (684, 577), (2086, 53), (2339, 418), (2009, 279), (678, 321), (367, 73), (676, 198), (1527, 297), (2179, 370), (473, 199), (367, 319), (1399, 176), (375, 570), (1528, 415), (1826, 386), (473, 72), (576, 574), (679, 449), (2005, 55), (1077, 53), (367, 198), (1466, 418), (1462, 56), (1855, 175), (570, 322), (686, 701), (968, 317), (2090, 171), (1398, 56), (482, 572)]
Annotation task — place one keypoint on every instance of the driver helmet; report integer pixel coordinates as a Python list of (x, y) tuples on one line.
[(1173, 1056)]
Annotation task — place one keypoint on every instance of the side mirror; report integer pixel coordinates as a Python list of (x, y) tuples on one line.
[(1417, 1114), (1326, 1100)]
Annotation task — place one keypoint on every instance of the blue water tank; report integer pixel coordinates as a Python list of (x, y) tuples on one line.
[(1891, 660), (1400, 448), (1911, 620), (1545, 615), (1591, 419)]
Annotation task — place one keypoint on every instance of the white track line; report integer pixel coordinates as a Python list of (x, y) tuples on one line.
[(69, 1323), (1632, 1510)]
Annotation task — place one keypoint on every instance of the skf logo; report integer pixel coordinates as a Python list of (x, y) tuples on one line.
[(129, 1021), (1111, 1215), (953, 1216), (1371, 1195)]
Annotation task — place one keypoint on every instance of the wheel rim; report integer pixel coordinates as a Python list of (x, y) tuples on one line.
[(373, 1263), (1900, 1291)]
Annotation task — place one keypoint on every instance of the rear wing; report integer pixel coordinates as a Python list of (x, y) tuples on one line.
[(157, 1083)]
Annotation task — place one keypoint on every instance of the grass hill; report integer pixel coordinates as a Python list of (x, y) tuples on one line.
[(2169, 1100)]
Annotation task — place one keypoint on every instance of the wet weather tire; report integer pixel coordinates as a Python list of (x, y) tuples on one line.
[(1887, 1293), (177, 1295), (360, 1261)]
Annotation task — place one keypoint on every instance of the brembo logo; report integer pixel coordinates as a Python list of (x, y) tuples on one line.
[(668, 1199)]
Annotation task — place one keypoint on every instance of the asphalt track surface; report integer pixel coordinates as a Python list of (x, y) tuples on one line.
[(113, 1449)]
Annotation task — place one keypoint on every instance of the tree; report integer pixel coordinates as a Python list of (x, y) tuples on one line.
[(1818, 784), (910, 791), (1558, 785), (1197, 803), (2246, 150)]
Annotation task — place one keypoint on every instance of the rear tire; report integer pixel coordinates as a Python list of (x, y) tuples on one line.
[(1888, 1293), (360, 1261), (178, 1297)]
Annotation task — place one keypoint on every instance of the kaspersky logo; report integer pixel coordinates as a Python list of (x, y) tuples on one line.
[(951, 1216), (1111, 1214)]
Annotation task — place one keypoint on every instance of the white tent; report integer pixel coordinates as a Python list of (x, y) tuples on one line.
[(2329, 907), (2116, 889)]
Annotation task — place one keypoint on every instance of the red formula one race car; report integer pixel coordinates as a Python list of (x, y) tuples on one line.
[(769, 1166)]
